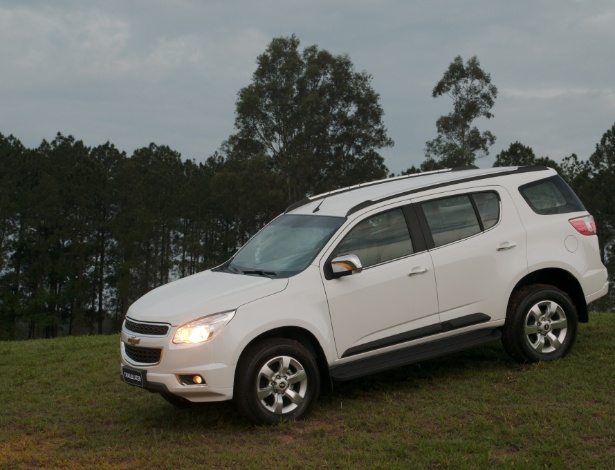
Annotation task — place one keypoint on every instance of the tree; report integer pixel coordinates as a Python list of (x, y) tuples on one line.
[(316, 119), (522, 155), (109, 163), (459, 143), (14, 176), (599, 195), (148, 218)]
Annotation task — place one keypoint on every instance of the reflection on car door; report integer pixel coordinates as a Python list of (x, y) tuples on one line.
[(472, 258), (393, 299)]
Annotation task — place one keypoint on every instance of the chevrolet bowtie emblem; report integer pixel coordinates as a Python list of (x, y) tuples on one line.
[(133, 340)]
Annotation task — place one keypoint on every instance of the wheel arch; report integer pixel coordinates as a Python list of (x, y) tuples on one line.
[(304, 337), (564, 281)]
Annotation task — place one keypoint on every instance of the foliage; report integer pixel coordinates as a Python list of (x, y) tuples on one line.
[(458, 143), (64, 406), (522, 155), (595, 181), (86, 231), (316, 121)]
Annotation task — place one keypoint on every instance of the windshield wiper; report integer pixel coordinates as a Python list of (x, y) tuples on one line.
[(260, 272), (227, 268)]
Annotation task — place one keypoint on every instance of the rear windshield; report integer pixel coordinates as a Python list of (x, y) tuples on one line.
[(551, 196)]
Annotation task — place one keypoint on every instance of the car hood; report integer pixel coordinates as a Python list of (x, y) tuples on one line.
[(202, 294)]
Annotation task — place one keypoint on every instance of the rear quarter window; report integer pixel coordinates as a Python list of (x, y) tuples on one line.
[(551, 196)]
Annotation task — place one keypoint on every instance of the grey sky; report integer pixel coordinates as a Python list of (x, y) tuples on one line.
[(134, 71)]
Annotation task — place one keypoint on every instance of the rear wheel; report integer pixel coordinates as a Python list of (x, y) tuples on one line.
[(541, 324), (276, 380)]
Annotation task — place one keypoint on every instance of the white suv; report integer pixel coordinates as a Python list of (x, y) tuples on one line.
[(369, 278)]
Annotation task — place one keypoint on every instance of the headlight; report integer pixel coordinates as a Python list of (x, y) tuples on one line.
[(202, 329)]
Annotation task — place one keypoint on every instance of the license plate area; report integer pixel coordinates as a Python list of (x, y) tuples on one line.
[(134, 377)]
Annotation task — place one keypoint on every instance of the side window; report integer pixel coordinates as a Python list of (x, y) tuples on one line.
[(488, 206), (551, 196), (451, 219), (382, 237)]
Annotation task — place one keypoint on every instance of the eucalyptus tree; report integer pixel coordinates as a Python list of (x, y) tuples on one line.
[(313, 116), (459, 142)]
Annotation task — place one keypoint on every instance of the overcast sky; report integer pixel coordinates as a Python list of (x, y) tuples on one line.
[(134, 71)]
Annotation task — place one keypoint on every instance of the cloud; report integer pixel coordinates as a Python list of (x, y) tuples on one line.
[(544, 93), (48, 43), (603, 22)]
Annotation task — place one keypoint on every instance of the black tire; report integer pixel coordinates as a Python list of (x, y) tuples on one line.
[(276, 380), (541, 324)]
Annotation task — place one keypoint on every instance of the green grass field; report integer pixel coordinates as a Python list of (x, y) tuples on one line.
[(62, 404)]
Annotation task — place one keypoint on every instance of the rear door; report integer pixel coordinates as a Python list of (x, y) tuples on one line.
[(478, 246)]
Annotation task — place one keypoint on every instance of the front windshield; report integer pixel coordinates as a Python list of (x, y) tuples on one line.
[(286, 246)]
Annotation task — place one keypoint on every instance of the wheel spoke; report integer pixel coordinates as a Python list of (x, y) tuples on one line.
[(278, 405), (552, 309), (299, 376), (535, 312), (267, 372), (284, 364), (554, 341), (263, 393), (294, 397), (559, 324), (540, 344), (531, 329)]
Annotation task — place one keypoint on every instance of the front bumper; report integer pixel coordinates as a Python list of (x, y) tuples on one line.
[(176, 361)]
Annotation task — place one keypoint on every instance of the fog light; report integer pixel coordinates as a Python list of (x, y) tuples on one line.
[(191, 380)]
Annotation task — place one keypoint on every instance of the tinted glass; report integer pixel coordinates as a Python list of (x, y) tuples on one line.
[(451, 219), (380, 238), (488, 205), (286, 246), (551, 196)]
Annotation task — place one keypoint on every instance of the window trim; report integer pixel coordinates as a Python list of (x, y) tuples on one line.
[(565, 191), (425, 225), (415, 232)]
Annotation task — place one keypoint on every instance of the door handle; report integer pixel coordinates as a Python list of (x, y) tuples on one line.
[(418, 270), (506, 246)]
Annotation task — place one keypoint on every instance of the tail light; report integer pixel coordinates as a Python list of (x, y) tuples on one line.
[(584, 225)]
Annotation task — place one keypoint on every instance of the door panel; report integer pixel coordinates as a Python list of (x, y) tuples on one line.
[(393, 295), (474, 271), (383, 301)]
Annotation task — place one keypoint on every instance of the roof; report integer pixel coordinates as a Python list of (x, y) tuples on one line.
[(345, 201)]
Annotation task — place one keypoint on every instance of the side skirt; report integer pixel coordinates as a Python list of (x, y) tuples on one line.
[(402, 357)]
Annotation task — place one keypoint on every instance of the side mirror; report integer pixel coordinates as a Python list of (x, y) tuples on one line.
[(346, 265)]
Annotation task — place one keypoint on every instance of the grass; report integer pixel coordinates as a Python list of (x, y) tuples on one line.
[(62, 405)]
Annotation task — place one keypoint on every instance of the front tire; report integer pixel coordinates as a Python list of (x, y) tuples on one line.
[(541, 324), (276, 380)]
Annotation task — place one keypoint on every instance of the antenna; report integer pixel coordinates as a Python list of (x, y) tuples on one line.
[(318, 206)]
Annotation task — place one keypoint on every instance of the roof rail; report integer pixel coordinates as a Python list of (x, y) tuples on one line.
[(317, 197), (512, 170)]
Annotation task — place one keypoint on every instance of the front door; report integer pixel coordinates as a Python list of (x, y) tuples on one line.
[(393, 300)]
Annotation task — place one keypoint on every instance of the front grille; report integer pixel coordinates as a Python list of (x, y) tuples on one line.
[(152, 329), (143, 355)]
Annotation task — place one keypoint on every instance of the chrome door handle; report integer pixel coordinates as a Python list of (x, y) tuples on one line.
[(418, 270), (506, 246)]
